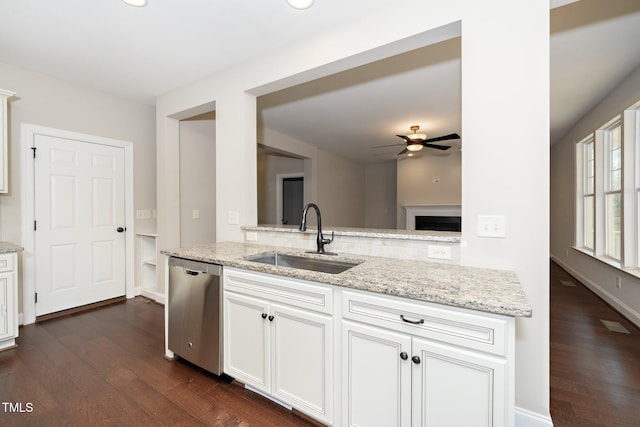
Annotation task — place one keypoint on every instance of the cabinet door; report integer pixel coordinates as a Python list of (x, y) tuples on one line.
[(246, 340), (302, 360), (7, 311), (455, 387), (376, 377)]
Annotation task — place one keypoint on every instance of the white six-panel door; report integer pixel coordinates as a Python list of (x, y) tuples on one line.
[(79, 206)]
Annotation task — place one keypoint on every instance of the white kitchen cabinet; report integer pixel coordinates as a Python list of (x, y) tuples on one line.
[(410, 364), (376, 381), (246, 340), (4, 140), (8, 299), (455, 387), (278, 338)]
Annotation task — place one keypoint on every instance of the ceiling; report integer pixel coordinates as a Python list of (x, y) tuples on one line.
[(139, 53)]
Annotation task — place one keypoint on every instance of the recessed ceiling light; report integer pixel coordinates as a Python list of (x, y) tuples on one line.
[(300, 4), (136, 3)]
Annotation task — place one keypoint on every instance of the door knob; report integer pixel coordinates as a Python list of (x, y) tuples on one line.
[(264, 315), (416, 360), (121, 229), (404, 355), (271, 318)]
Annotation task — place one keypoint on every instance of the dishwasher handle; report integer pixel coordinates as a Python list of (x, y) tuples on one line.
[(191, 272), (198, 267)]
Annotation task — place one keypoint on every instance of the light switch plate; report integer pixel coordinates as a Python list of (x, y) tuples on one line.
[(143, 214), (491, 226), (233, 218)]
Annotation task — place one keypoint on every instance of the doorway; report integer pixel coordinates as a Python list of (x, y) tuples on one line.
[(78, 224), (292, 200), (289, 198)]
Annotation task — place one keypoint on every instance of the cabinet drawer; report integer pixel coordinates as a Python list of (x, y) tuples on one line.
[(482, 332), (6, 262), (298, 293)]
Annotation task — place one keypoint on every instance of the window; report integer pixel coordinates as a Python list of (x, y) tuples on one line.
[(608, 191), (588, 196), (613, 190)]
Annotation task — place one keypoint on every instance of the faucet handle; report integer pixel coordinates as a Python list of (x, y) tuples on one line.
[(327, 241)]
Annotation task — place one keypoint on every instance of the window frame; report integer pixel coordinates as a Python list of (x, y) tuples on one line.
[(608, 190), (628, 190)]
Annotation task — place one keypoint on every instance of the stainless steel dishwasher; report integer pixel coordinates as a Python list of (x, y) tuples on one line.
[(195, 313)]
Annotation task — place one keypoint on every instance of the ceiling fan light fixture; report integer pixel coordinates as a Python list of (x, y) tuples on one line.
[(136, 3), (414, 147), (300, 4), (415, 135)]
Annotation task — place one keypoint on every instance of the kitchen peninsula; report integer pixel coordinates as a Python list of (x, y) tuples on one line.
[(387, 342)]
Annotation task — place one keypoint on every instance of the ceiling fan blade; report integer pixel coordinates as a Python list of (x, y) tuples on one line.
[(437, 147), (443, 138), (402, 152), (406, 138), (390, 145)]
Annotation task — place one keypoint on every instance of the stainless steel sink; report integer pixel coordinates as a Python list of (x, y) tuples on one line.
[(305, 263)]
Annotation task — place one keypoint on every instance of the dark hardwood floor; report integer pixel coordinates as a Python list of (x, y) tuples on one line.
[(106, 367), (595, 373)]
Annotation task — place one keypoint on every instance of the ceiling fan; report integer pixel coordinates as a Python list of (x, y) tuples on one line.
[(416, 141)]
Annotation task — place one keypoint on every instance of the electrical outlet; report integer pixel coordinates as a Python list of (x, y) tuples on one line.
[(618, 282), (252, 236), (438, 252), (196, 214)]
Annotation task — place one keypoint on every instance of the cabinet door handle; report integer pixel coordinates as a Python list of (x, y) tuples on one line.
[(271, 318), (404, 355), (416, 360), (264, 315), (413, 322)]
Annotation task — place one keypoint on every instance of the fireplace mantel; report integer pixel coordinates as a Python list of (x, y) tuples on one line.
[(429, 210)]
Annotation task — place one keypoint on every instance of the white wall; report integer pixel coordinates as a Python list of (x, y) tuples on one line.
[(197, 181), (45, 101), (505, 59), (380, 195), (349, 194), (597, 275), (340, 190), (416, 180), (269, 166)]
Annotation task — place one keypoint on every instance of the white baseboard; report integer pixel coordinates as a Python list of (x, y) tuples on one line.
[(525, 418), (153, 295), (628, 312)]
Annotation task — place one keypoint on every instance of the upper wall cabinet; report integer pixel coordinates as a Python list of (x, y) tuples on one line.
[(4, 137)]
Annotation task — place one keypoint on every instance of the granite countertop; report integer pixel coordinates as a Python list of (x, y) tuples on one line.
[(493, 291), (378, 233), (9, 247)]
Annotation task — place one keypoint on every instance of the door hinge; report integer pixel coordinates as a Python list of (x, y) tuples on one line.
[(34, 151), (36, 297), (35, 225)]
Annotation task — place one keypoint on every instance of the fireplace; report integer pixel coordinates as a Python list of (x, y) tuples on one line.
[(434, 217), (438, 223)]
